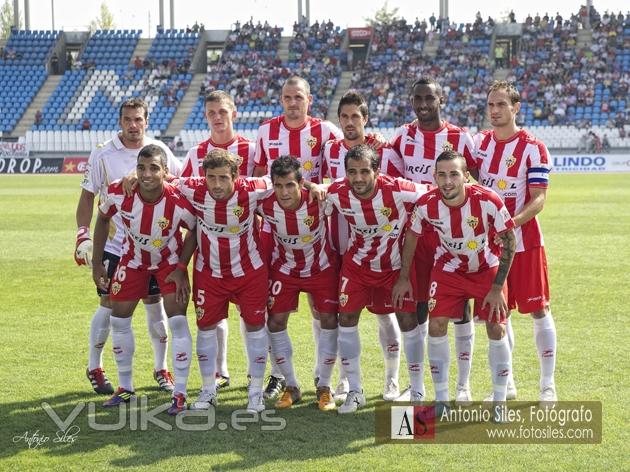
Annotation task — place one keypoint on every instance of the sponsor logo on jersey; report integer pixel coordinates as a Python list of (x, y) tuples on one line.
[(472, 245), (472, 221), (510, 161), (163, 223), (308, 165), (199, 311), (238, 211), (343, 299), (387, 227), (275, 143), (309, 220), (386, 211), (502, 184), (116, 288), (157, 243), (307, 238), (234, 229), (311, 142), (432, 302)]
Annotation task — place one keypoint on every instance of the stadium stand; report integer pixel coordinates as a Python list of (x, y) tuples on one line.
[(574, 74)]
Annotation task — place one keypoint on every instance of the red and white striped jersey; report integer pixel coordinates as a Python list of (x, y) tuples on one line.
[(334, 155), (419, 149), (152, 230), (306, 143), (227, 237), (111, 161), (463, 230), (240, 146), (302, 247), (377, 223), (511, 168)]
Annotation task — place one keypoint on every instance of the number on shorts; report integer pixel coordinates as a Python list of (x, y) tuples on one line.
[(344, 282), (276, 287), (432, 289), (121, 275), (201, 297)]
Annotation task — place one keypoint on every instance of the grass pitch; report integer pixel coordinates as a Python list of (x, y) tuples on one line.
[(47, 302)]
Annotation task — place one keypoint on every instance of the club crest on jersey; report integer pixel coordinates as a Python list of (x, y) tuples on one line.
[(311, 142), (238, 211), (157, 243), (386, 211), (502, 184), (116, 288), (432, 302), (163, 223), (309, 220), (510, 161), (199, 311), (271, 301), (447, 146), (343, 299), (472, 221)]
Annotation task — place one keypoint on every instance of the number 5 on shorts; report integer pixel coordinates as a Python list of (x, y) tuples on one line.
[(201, 297)]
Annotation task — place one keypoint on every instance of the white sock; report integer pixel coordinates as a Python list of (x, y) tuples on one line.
[(327, 356), (257, 347), (390, 337), (464, 345), (509, 331), (349, 344), (282, 351), (156, 323), (545, 336), (181, 350), (207, 358), (275, 369), (99, 331), (439, 359), (316, 326), (414, 352), (123, 345), (222, 339), (500, 359)]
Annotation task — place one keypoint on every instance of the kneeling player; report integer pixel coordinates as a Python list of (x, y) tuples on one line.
[(152, 217), (302, 261), (377, 208), (464, 268)]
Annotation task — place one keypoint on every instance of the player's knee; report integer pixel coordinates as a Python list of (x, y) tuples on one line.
[(151, 299), (348, 319), (438, 326), (495, 331), (276, 323), (406, 321), (538, 314), (328, 320)]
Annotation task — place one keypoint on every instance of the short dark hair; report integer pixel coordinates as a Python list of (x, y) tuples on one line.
[(220, 96), (451, 155), (353, 97), (134, 103), (153, 150), (363, 151), (427, 80), (222, 158), (284, 165), (297, 80), (509, 87)]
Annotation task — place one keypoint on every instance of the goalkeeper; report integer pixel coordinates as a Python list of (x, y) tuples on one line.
[(108, 162)]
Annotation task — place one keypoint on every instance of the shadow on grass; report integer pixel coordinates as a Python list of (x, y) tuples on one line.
[(237, 440)]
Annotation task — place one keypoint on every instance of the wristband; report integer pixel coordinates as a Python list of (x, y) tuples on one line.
[(83, 232), (182, 266)]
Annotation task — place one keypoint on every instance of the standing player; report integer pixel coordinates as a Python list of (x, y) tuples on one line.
[(353, 116), (465, 217), (152, 217), (220, 111), (420, 143), (111, 161), (296, 134), (516, 165), (377, 208), (302, 261)]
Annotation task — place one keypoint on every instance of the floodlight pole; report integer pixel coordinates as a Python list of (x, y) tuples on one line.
[(161, 24), (172, 14), (16, 14), (27, 15)]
